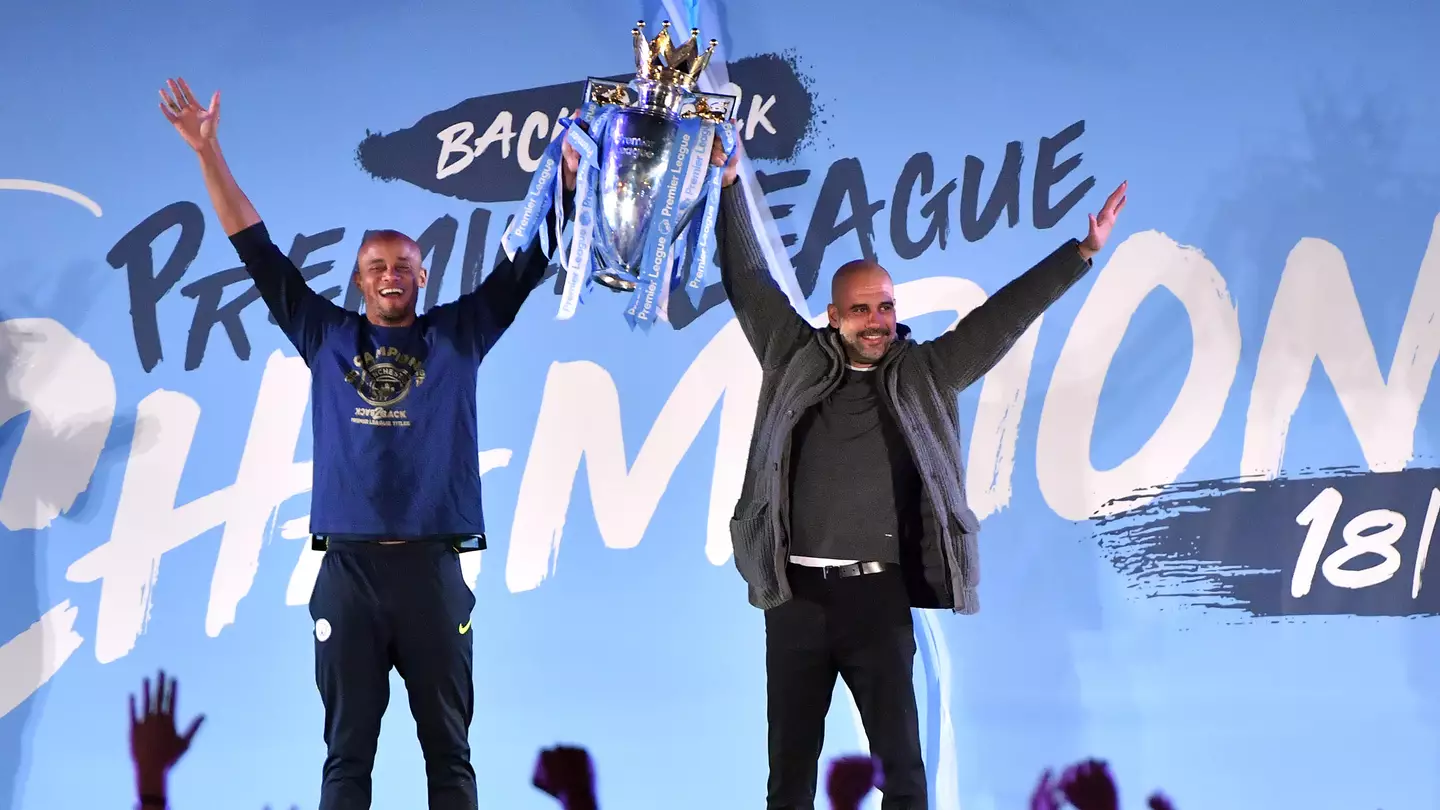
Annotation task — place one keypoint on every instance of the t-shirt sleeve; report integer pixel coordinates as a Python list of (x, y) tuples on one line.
[(305, 316), (485, 313)]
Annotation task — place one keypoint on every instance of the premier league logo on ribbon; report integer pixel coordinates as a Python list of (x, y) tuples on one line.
[(646, 194)]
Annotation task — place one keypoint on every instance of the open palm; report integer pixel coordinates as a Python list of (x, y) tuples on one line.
[(155, 744), (195, 124), (1102, 223)]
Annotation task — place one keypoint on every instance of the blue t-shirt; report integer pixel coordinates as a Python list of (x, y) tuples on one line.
[(393, 408)]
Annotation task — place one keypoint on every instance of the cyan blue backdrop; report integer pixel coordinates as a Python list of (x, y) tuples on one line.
[(1267, 309)]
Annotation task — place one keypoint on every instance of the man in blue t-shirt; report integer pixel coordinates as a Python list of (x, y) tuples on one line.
[(396, 491)]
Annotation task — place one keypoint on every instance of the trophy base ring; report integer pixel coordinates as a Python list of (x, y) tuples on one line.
[(614, 282)]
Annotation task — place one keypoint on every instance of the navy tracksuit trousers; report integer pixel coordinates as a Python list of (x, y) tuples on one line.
[(406, 606)]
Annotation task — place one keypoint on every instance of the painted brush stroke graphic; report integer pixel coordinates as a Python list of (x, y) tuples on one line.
[(1342, 543), (483, 149)]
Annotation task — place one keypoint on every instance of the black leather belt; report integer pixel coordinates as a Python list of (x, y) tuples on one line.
[(461, 544), (840, 571)]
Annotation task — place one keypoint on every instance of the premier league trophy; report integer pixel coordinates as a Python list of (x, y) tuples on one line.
[(645, 150)]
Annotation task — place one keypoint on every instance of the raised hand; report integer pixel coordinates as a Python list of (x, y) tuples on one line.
[(1046, 795), (196, 124), (155, 745), (1103, 222), (732, 167), (570, 159), (850, 780), (1159, 801), (1089, 786), (565, 772)]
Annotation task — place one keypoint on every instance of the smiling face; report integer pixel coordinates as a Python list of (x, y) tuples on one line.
[(862, 309), (390, 276)]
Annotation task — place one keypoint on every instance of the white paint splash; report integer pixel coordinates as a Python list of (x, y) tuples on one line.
[(15, 184), (30, 659), (69, 392)]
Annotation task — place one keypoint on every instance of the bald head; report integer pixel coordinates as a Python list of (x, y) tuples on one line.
[(856, 274), (862, 310), (389, 273), (392, 237)]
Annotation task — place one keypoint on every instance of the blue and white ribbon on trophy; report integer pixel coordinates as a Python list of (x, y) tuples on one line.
[(666, 263), (546, 186), (576, 259), (702, 238)]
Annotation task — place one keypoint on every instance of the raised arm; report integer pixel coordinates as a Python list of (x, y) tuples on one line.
[(303, 314), (773, 327), (492, 306), (981, 338), (484, 313)]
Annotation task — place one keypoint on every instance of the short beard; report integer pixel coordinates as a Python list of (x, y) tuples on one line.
[(858, 349), (386, 316)]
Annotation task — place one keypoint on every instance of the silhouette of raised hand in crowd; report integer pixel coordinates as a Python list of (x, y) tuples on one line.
[(155, 744), (1046, 795), (1086, 785), (1159, 801), (850, 780), (566, 773)]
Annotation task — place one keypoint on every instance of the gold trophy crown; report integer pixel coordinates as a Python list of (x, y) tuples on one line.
[(660, 61)]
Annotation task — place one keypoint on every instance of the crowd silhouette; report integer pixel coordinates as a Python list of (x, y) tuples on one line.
[(566, 772)]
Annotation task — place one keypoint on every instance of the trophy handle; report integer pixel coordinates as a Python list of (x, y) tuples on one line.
[(605, 91), (717, 107)]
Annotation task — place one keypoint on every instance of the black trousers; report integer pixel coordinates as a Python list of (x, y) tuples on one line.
[(859, 628), (406, 606)]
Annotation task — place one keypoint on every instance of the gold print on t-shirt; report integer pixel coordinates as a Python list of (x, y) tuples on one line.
[(384, 378)]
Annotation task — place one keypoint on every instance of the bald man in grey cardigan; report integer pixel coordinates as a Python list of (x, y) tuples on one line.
[(853, 507)]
